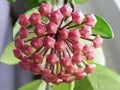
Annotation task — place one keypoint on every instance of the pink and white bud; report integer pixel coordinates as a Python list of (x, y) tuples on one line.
[(23, 32), (77, 58), (46, 72), (52, 59), (40, 30), (69, 79), (64, 33), (90, 68), (37, 57), (23, 20), (91, 20), (25, 63), (74, 35), (27, 50), (77, 17), (36, 68), (71, 69), (49, 42), (17, 53), (19, 43), (98, 41), (66, 10), (60, 46), (81, 76), (35, 19), (44, 9), (56, 17), (86, 31), (88, 49), (78, 72), (51, 28), (65, 62), (91, 56), (77, 47), (63, 75), (36, 42)]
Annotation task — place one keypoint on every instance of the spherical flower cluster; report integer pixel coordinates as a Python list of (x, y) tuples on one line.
[(55, 51)]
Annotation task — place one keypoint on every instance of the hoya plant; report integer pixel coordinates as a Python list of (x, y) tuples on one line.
[(63, 46)]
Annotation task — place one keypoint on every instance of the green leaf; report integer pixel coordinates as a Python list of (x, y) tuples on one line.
[(7, 57), (34, 3), (34, 85), (100, 58), (101, 79), (16, 27), (63, 86), (12, 1), (102, 28), (80, 1)]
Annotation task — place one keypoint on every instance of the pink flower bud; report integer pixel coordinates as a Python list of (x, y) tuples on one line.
[(38, 58), (44, 9), (35, 19), (71, 69), (56, 17), (81, 76), (77, 17), (46, 72), (36, 42), (35, 68), (78, 72), (24, 66), (23, 20), (90, 68), (77, 47), (66, 10), (60, 46), (17, 53), (51, 28), (49, 42), (98, 41), (52, 59), (23, 32), (63, 75), (91, 20), (40, 30), (63, 34), (69, 79), (19, 43), (27, 50), (86, 31), (88, 49), (57, 81), (65, 62), (91, 56), (25, 63), (74, 35), (77, 58)]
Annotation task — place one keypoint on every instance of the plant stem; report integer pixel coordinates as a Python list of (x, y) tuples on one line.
[(48, 86)]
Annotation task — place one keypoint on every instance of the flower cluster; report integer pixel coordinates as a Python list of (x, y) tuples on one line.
[(56, 51)]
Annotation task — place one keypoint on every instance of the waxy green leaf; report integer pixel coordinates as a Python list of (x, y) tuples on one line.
[(102, 28), (34, 85), (34, 3), (7, 57), (12, 1), (80, 1), (41, 85), (63, 86), (101, 79)]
